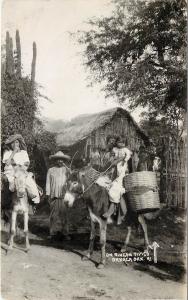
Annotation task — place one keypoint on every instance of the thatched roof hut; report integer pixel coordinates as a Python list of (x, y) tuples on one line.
[(87, 131)]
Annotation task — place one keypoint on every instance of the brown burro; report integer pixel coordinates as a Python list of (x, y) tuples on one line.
[(98, 202)]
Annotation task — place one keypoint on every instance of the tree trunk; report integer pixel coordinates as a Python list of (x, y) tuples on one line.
[(18, 50)]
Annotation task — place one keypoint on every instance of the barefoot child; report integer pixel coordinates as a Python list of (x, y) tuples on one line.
[(117, 190)]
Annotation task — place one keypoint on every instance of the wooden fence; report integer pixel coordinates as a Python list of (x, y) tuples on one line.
[(173, 187)]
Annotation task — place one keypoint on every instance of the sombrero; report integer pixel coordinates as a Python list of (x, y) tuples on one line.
[(60, 155), (13, 138)]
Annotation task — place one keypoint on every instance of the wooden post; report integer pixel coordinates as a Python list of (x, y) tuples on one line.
[(177, 174)]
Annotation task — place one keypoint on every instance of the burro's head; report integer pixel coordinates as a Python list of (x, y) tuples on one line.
[(20, 183), (74, 188)]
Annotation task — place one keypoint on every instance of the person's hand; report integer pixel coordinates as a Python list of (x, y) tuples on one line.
[(16, 149), (26, 165), (116, 161)]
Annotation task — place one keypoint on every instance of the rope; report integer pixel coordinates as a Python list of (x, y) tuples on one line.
[(73, 159), (67, 167)]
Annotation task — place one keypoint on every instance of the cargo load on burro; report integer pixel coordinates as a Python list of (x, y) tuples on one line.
[(142, 200), (142, 191)]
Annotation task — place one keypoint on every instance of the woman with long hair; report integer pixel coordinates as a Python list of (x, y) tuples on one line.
[(14, 158)]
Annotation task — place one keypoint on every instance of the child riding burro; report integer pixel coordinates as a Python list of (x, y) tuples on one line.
[(119, 157)]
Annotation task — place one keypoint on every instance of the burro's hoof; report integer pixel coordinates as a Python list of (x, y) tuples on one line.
[(85, 258), (100, 266), (10, 246), (123, 250), (27, 249), (147, 248)]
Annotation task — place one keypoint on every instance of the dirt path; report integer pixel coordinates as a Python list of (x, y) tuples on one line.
[(49, 273)]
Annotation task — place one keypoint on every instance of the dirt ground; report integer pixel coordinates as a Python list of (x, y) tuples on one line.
[(55, 270)]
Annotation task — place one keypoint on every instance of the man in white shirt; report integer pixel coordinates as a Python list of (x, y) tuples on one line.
[(56, 185)]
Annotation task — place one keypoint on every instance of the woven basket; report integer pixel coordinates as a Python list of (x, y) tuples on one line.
[(92, 175), (142, 192), (143, 200), (140, 179)]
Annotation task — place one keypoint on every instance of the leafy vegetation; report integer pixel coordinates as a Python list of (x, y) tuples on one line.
[(20, 96), (139, 54)]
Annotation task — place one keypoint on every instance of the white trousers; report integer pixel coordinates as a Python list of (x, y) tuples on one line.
[(115, 188)]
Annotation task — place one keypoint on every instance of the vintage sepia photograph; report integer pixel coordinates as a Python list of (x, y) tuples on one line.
[(93, 150)]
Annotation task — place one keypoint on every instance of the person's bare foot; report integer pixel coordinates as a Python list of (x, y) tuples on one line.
[(110, 211)]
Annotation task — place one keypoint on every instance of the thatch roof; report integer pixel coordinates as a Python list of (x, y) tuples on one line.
[(82, 126)]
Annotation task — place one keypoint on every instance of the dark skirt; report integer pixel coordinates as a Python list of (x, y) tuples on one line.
[(6, 194)]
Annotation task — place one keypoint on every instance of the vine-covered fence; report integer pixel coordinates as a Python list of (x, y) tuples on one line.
[(173, 188)]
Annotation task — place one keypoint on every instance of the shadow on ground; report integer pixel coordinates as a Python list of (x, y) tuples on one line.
[(170, 265)]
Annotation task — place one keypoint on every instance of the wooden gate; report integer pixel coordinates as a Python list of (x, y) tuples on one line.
[(173, 173)]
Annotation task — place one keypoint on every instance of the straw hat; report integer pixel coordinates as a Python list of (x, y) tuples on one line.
[(15, 137), (60, 155)]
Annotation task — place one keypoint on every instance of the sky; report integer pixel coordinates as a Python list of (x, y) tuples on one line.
[(59, 67)]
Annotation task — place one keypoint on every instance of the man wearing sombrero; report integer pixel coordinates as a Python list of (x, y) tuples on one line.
[(56, 183), (16, 157)]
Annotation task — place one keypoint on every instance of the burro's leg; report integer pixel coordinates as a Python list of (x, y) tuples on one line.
[(103, 228), (124, 248), (26, 220), (12, 230), (145, 230), (91, 241)]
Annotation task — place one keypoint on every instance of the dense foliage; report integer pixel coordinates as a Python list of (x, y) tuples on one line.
[(20, 107), (139, 54)]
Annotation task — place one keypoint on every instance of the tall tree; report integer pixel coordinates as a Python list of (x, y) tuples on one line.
[(139, 53), (20, 106), (19, 100), (18, 55)]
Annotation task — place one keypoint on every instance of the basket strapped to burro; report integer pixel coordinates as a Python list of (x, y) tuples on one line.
[(142, 191)]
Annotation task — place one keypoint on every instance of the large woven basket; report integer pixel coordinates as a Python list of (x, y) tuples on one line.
[(140, 179), (143, 200), (142, 191)]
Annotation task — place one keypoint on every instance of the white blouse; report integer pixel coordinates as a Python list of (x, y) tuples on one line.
[(20, 158)]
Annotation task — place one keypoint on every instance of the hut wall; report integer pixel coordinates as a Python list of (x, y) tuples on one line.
[(118, 126)]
